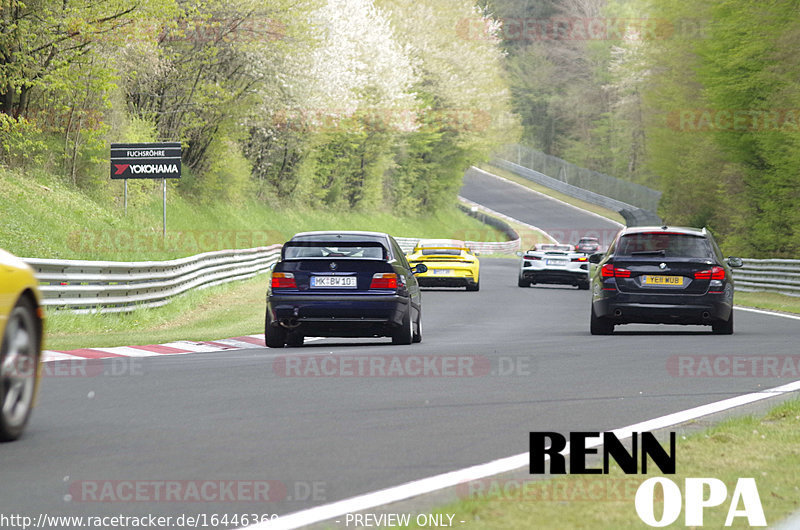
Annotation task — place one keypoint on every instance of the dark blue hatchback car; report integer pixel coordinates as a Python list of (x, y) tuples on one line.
[(343, 284)]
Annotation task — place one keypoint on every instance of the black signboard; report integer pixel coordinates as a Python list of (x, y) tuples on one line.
[(146, 161)]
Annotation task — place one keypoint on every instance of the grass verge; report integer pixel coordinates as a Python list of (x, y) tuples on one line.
[(610, 214), (224, 311), (45, 218), (760, 447), (769, 301)]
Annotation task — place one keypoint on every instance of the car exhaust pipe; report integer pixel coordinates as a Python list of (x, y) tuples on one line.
[(618, 312), (289, 323), (706, 315)]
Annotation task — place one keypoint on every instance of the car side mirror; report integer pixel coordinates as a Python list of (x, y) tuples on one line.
[(419, 268), (735, 262), (476, 254), (596, 257), (518, 253)]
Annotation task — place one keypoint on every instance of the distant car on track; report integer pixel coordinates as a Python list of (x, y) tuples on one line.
[(450, 263), (21, 349), (588, 245), (554, 263), (343, 284), (662, 275)]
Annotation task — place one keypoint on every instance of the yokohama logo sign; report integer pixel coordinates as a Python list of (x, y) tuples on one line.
[(138, 169), (149, 160)]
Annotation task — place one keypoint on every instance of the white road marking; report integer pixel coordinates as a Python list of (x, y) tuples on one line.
[(129, 351), (766, 312), (49, 356), (193, 347), (427, 485), (236, 344)]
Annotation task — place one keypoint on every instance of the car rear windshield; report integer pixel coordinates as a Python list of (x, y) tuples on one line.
[(322, 250), (664, 244), (441, 251), (557, 248)]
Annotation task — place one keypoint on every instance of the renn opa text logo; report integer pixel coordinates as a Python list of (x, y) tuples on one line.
[(744, 502)]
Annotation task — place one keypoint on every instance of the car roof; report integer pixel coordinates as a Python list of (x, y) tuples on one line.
[(344, 235), (684, 230), (589, 238)]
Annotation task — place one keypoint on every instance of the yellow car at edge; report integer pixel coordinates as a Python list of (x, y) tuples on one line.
[(21, 326), (450, 264)]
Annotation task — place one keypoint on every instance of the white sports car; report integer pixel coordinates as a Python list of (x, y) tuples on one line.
[(554, 263)]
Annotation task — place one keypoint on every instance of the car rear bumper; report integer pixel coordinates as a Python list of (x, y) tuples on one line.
[(668, 309), (445, 281), (561, 276), (354, 315)]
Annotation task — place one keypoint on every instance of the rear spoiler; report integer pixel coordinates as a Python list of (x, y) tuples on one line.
[(340, 244), (442, 248)]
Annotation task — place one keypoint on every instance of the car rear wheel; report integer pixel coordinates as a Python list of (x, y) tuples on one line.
[(600, 326), (405, 333), (723, 327), (19, 360), (522, 282), (294, 339), (474, 286), (418, 334), (583, 286), (274, 336)]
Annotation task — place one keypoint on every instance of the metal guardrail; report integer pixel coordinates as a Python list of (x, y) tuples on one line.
[(634, 216), (773, 275), (118, 287), (584, 178), (115, 287)]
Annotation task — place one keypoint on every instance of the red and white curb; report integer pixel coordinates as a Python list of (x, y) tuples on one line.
[(180, 347)]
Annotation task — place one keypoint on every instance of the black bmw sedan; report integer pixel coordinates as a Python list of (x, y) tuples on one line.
[(662, 275), (343, 284)]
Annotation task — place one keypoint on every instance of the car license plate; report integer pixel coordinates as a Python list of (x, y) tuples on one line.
[(664, 280), (442, 271), (555, 262), (347, 282)]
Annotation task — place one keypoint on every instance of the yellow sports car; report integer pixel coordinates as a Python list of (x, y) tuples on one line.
[(21, 349), (450, 264)]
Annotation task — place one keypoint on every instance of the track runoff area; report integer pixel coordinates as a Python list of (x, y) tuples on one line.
[(620, 445)]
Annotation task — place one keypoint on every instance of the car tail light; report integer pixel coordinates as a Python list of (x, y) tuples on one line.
[(384, 280), (610, 271), (534, 258), (283, 280), (715, 273), (584, 258)]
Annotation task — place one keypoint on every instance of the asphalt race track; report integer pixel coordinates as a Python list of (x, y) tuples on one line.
[(565, 223), (517, 360)]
